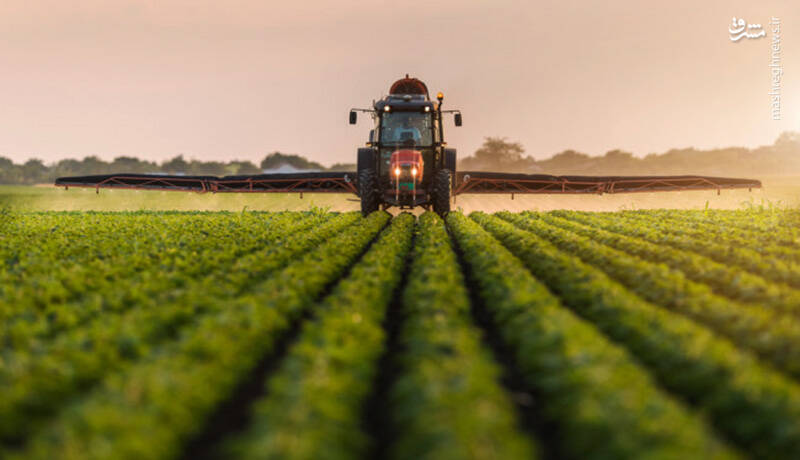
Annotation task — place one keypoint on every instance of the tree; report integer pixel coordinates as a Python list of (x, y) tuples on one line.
[(9, 173), (176, 165), (94, 165), (497, 150), (206, 168), (568, 161), (69, 167), (132, 165), (277, 159), (34, 172)]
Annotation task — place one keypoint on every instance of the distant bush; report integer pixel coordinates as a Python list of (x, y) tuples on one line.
[(496, 154), (34, 171), (780, 158)]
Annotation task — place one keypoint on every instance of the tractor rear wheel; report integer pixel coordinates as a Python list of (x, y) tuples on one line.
[(450, 160), (368, 191), (441, 192)]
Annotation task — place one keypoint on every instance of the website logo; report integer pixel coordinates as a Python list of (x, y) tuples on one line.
[(740, 29)]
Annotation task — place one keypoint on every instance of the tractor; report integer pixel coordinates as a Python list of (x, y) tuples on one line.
[(406, 162)]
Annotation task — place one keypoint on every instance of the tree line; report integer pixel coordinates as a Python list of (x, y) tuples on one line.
[(496, 154), (780, 158), (35, 171)]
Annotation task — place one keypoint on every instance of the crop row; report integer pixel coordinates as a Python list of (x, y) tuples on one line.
[(772, 269), (60, 263), (726, 280), (673, 224), (36, 379), (313, 404), (134, 279), (774, 336), (125, 301), (753, 405), (77, 237), (446, 400), (152, 408), (314, 335), (42, 273), (600, 402), (772, 227)]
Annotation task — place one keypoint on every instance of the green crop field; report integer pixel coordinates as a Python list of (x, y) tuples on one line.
[(659, 334)]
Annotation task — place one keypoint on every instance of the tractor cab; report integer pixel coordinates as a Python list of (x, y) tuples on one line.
[(405, 124)]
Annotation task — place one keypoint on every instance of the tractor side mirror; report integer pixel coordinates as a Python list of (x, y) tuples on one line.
[(371, 136), (353, 117), (458, 119)]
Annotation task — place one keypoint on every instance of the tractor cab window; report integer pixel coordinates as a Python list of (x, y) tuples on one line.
[(411, 129)]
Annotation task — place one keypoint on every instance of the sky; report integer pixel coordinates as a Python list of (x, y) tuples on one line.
[(239, 79)]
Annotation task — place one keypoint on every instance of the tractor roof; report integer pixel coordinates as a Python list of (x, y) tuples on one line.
[(406, 94), (409, 85), (405, 102)]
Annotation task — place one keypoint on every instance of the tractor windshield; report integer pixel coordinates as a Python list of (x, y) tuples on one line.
[(407, 129)]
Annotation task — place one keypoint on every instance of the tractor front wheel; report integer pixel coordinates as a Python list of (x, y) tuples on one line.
[(368, 191), (441, 192)]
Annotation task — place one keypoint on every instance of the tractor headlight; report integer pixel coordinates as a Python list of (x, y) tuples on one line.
[(396, 171), (413, 171)]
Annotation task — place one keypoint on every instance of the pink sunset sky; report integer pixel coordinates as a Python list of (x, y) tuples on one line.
[(239, 79)]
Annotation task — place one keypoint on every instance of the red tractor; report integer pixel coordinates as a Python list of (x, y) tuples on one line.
[(406, 162)]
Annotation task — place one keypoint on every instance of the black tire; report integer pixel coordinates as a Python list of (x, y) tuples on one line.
[(450, 160), (441, 192), (368, 191), (367, 159)]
